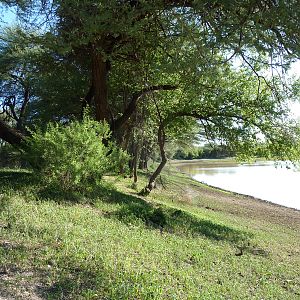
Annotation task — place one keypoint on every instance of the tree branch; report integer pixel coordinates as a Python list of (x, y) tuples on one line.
[(11, 135), (132, 105)]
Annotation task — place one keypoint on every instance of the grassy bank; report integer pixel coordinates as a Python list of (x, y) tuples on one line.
[(184, 241)]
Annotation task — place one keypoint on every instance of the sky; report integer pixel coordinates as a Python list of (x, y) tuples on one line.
[(7, 16)]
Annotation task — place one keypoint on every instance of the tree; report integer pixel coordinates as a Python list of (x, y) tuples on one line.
[(232, 114), (35, 81), (181, 51)]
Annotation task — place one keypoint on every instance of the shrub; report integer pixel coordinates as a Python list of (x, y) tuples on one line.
[(75, 156)]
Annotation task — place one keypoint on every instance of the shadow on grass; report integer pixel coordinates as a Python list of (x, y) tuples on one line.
[(71, 282), (88, 278), (133, 210), (94, 281), (129, 209), (67, 277), (17, 180), (79, 282), (26, 183)]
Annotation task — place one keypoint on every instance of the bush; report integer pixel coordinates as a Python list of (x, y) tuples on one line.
[(76, 156)]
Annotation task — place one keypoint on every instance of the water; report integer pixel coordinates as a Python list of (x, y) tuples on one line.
[(265, 181)]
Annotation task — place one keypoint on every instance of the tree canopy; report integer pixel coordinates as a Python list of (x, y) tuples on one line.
[(153, 67)]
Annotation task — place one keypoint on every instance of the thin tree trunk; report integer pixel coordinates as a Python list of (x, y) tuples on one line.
[(143, 157), (87, 101), (125, 138), (20, 122), (99, 82), (161, 143), (135, 163)]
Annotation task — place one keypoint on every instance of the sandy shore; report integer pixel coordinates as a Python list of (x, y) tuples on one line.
[(237, 204)]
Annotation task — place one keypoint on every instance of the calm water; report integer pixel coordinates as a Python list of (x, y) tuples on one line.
[(265, 181)]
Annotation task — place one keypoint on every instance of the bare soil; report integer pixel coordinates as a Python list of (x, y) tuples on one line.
[(240, 205)]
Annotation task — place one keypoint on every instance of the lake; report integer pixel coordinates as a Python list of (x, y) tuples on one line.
[(262, 180)]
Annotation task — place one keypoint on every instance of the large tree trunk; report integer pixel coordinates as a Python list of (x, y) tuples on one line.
[(11, 135), (99, 83)]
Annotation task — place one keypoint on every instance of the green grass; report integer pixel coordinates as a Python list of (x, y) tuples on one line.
[(113, 244)]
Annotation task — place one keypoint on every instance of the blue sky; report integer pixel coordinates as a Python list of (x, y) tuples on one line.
[(8, 16)]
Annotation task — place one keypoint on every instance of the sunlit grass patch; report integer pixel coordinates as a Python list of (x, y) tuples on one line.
[(117, 245)]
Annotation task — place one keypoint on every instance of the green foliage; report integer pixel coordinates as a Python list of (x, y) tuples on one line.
[(35, 85), (75, 156)]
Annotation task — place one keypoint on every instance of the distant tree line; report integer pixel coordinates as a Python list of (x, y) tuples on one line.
[(203, 152)]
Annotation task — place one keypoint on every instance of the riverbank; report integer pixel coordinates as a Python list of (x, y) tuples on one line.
[(243, 205), (185, 241), (276, 183)]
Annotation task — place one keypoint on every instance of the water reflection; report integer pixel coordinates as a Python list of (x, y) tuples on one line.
[(264, 180)]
